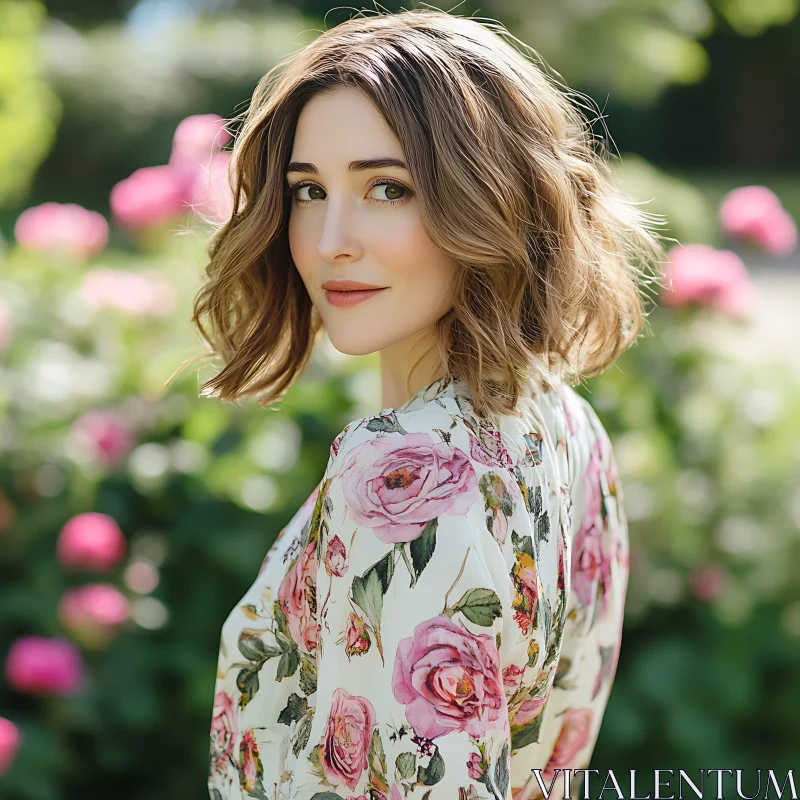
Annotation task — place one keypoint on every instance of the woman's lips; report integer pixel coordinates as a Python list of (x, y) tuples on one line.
[(351, 298)]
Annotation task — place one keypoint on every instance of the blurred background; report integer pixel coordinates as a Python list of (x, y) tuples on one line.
[(133, 518)]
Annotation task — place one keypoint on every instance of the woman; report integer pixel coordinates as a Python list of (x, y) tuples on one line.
[(442, 617)]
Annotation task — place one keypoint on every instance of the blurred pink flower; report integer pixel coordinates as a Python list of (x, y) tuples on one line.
[(708, 581), (699, 273), (152, 195), (45, 665), (62, 227), (755, 214), (106, 433), (91, 541), (5, 324), (9, 744), (198, 139), (147, 292), (94, 612), (212, 196)]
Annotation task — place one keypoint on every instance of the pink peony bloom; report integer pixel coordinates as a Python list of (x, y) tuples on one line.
[(702, 274), (574, 736), (251, 770), (5, 324), (449, 679), (147, 292), (591, 561), (41, 665), (345, 742), (223, 731), (94, 612), (105, 433), (708, 581), (68, 227), (153, 195), (336, 557), (297, 598), (91, 541), (9, 744), (397, 486), (754, 214), (198, 139), (212, 194)]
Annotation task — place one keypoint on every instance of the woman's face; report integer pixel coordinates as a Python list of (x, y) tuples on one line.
[(361, 223)]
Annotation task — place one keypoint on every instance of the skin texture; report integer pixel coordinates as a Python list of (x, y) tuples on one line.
[(347, 229)]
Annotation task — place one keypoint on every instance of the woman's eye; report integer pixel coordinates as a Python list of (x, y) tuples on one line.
[(392, 192)]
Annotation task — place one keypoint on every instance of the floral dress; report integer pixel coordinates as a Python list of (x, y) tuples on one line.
[(441, 620)]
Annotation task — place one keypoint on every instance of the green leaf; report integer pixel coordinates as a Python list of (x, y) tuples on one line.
[(303, 733), (434, 772), (288, 664), (501, 771), (296, 707), (526, 734), (326, 796), (253, 648), (480, 606), (377, 761), (422, 547), (308, 674), (386, 423), (247, 683), (404, 764), (369, 589)]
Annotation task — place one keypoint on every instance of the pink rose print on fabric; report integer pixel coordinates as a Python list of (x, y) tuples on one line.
[(490, 450), (591, 566), (223, 730), (574, 736), (449, 680), (345, 743), (397, 486), (298, 598), (531, 708), (336, 557), (251, 770)]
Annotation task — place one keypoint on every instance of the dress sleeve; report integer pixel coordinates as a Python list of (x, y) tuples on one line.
[(410, 598), (598, 572)]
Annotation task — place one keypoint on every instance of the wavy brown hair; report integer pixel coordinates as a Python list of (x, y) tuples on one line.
[(552, 260)]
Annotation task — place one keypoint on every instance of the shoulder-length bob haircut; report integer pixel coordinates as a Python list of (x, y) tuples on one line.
[(551, 259)]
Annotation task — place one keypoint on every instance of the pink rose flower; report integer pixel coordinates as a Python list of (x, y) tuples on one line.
[(698, 273), (298, 598), (223, 730), (212, 192), (9, 744), (475, 769), (449, 679), (708, 581), (67, 227), (755, 214), (198, 138), (152, 195), (490, 450), (251, 770), (531, 708), (574, 736), (93, 613), (5, 324), (345, 743), (134, 293), (42, 665), (358, 640), (512, 676), (397, 486), (91, 541), (105, 433), (591, 565), (336, 557)]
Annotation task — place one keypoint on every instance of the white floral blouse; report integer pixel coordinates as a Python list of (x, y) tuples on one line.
[(442, 618)]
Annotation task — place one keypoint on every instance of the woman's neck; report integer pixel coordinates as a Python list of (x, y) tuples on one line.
[(408, 366)]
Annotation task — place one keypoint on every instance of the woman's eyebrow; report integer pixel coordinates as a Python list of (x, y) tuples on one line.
[(353, 166)]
